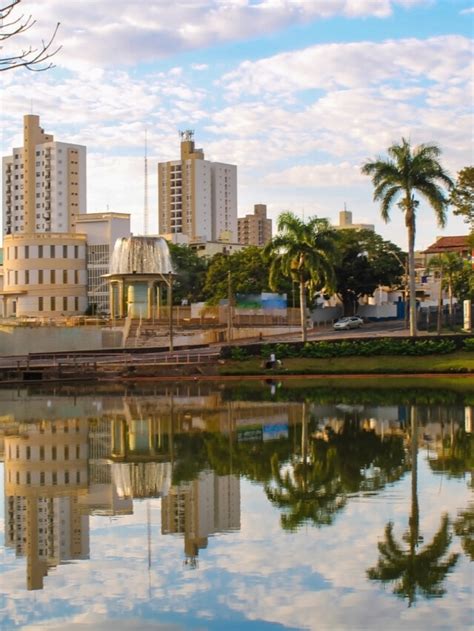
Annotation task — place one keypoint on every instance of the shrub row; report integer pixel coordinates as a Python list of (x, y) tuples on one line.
[(351, 348)]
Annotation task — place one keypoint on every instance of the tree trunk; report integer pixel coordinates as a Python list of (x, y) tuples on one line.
[(440, 302), (414, 520), (303, 309), (451, 312), (411, 272)]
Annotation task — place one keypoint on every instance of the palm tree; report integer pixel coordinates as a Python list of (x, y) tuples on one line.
[(414, 570), (403, 173), (302, 251)]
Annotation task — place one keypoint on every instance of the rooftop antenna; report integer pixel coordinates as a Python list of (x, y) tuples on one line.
[(145, 198)]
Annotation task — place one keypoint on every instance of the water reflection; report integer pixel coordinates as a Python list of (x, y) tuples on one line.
[(415, 571), (69, 459)]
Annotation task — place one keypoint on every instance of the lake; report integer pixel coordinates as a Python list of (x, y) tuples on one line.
[(325, 504)]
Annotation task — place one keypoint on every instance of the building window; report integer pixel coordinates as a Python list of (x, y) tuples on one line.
[(53, 303), (65, 276), (66, 452), (28, 452), (16, 278), (27, 251), (64, 250), (16, 250), (53, 276), (53, 251), (40, 251), (76, 304), (41, 452), (40, 303), (40, 277), (27, 277), (76, 251), (42, 478), (76, 276), (54, 452), (64, 303)]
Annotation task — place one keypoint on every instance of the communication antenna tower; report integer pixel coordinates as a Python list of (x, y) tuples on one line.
[(145, 199)]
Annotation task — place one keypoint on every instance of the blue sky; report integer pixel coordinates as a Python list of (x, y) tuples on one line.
[(297, 93)]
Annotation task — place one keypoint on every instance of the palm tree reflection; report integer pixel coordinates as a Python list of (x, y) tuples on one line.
[(414, 571)]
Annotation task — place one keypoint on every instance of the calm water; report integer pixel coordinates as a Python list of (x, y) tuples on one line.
[(248, 506)]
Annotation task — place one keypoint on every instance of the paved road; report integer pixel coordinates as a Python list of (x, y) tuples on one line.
[(194, 354)]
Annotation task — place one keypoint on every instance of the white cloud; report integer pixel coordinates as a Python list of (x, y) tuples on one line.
[(467, 11), (144, 31), (320, 175), (354, 65)]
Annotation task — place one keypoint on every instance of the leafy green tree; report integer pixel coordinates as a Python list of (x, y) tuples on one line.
[(405, 172), (249, 272), (462, 195), (448, 265), (463, 282), (364, 261), (414, 571), (191, 272), (303, 252)]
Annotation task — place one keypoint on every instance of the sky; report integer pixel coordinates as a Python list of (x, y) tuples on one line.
[(297, 93)]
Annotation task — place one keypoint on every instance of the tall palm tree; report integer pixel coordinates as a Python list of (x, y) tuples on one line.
[(405, 172), (302, 251)]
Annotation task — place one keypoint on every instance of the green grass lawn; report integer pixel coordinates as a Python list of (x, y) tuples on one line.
[(461, 361)]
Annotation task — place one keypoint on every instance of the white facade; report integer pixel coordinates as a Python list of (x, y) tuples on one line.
[(102, 231), (59, 188), (224, 201)]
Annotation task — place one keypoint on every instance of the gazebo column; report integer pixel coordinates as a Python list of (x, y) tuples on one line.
[(121, 305), (158, 301), (150, 300), (112, 306)]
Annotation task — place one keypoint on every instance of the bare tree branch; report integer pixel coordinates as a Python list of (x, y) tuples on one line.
[(35, 59)]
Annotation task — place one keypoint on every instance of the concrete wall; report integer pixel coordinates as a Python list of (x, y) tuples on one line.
[(326, 315), (377, 311), (19, 340)]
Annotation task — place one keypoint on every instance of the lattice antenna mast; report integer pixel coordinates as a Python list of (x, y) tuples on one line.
[(145, 198)]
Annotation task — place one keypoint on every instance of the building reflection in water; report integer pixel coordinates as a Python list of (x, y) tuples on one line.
[(59, 472), (45, 478)]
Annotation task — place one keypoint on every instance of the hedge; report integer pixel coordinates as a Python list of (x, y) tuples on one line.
[(352, 348)]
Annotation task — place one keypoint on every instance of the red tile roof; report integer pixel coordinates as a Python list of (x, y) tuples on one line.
[(449, 244)]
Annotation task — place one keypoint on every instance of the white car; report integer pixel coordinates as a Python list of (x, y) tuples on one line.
[(351, 322)]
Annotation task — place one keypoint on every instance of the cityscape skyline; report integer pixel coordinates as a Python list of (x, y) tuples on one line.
[(297, 109)]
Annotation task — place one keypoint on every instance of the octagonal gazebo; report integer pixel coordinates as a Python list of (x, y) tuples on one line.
[(140, 269)]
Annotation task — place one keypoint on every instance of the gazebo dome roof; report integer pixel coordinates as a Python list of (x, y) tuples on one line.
[(141, 255)]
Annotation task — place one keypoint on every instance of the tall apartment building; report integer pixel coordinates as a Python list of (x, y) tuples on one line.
[(44, 183), (255, 229), (44, 191), (197, 198)]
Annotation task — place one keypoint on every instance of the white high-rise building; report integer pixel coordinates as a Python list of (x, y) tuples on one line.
[(197, 198), (44, 183)]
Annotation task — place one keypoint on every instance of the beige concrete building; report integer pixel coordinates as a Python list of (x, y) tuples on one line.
[(197, 198), (44, 275), (345, 223), (255, 229)]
